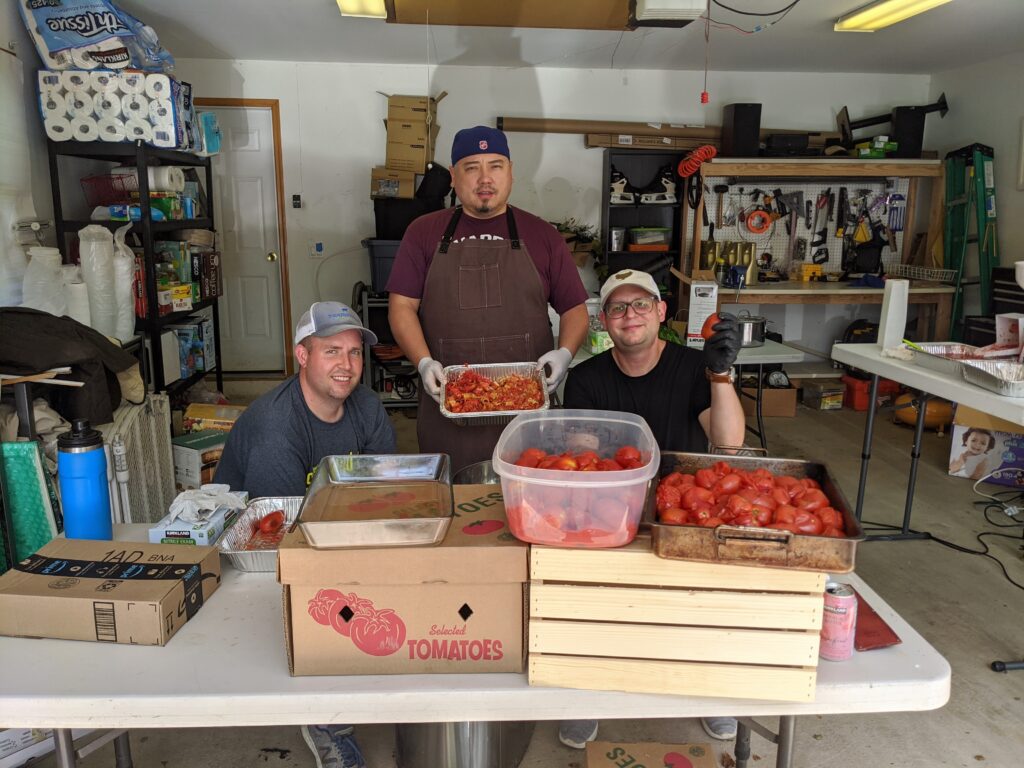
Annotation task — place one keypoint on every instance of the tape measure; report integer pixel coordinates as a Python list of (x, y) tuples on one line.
[(759, 221)]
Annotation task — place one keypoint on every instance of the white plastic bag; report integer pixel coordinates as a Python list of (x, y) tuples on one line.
[(76, 293), (96, 250), (43, 287), (124, 278)]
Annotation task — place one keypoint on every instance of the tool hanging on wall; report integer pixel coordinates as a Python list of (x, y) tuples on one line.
[(843, 212), (758, 221), (809, 214), (897, 211), (820, 212), (721, 190), (820, 256)]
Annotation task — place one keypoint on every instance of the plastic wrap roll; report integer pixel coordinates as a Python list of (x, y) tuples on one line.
[(136, 128), (103, 81), (57, 128), (52, 104), (106, 105), (79, 104), (131, 82), (134, 105), (84, 129), (111, 129), (74, 80), (158, 86)]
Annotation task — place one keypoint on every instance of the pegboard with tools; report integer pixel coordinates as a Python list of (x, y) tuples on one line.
[(776, 226)]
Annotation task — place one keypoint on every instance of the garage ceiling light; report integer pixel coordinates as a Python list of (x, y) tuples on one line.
[(883, 13), (373, 9)]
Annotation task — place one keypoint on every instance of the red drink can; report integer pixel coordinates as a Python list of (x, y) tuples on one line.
[(838, 622)]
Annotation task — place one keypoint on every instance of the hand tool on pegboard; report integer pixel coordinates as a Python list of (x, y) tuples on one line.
[(809, 214), (843, 212), (721, 190), (820, 211), (897, 211), (820, 256)]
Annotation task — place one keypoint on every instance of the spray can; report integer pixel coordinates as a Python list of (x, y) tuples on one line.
[(82, 475), (838, 622)]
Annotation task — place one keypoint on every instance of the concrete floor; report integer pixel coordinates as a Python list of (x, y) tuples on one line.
[(961, 604)]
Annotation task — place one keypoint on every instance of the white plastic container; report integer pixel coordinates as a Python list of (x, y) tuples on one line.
[(572, 508), (43, 286)]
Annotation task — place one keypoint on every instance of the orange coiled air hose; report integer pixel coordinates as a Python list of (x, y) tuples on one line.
[(690, 164)]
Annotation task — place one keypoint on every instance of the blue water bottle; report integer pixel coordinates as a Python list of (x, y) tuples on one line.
[(82, 474)]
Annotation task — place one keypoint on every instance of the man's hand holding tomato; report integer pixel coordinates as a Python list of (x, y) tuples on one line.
[(723, 342)]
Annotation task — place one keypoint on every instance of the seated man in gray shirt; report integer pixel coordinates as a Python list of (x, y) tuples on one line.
[(277, 442)]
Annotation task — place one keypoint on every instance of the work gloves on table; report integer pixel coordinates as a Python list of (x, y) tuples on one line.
[(721, 349), (557, 362), (432, 376)]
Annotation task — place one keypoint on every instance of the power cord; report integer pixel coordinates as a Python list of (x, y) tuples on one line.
[(1001, 503)]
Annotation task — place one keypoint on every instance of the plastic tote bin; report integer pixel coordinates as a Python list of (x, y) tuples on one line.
[(575, 509), (382, 258)]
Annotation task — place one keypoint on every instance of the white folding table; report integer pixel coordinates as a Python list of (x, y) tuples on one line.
[(227, 667)]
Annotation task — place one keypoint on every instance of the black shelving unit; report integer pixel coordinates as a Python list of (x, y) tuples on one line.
[(142, 156), (642, 167), (373, 311)]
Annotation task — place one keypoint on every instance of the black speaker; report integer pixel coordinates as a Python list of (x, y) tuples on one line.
[(908, 130), (741, 129)]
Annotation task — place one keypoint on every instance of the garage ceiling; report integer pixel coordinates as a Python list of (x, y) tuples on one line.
[(959, 33)]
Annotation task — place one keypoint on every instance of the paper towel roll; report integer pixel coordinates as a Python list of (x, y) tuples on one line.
[(82, 59), (49, 79), (134, 105), (106, 105), (84, 129), (161, 112), (166, 178), (53, 104), (893, 323), (79, 104), (131, 82), (73, 80), (111, 129), (158, 86), (137, 128), (77, 295), (58, 128), (103, 81)]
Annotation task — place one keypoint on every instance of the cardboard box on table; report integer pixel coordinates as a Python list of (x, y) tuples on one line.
[(997, 447), (607, 754), (456, 608)]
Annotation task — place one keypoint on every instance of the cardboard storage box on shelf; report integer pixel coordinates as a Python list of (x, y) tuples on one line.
[(824, 394), (196, 455), (412, 132), (408, 157), (456, 607), (388, 182), (774, 402), (607, 754), (107, 591), (627, 620), (703, 302), (414, 108), (982, 444), (200, 416)]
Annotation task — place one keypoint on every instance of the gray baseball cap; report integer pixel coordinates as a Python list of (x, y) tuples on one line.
[(326, 318)]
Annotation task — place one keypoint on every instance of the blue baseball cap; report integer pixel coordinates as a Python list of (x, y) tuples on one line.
[(479, 140)]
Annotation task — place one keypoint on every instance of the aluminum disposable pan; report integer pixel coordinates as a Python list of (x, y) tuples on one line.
[(378, 501), (492, 371), (232, 542), (1000, 376), (944, 357), (740, 545)]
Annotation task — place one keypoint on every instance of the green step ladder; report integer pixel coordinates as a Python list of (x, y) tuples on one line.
[(970, 192)]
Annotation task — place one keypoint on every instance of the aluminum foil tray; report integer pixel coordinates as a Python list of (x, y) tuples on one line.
[(1000, 376), (378, 501), (492, 371), (944, 357), (232, 542)]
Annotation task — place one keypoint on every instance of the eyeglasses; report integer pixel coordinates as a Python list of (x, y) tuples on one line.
[(641, 306)]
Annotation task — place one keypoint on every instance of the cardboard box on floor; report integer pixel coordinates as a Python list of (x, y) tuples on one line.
[(107, 591), (457, 607), (982, 444), (607, 754), (774, 402), (200, 416)]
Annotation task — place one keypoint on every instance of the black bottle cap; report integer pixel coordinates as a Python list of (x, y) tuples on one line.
[(82, 435)]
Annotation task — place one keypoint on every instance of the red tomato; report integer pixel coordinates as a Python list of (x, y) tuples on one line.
[(785, 514), (830, 518), (696, 496), (631, 464), (700, 514), (761, 515), (745, 519), (688, 480), (812, 500), (672, 478), (587, 458), (668, 496), (566, 464), (527, 461), (738, 503), (548, 462), (706, 478), (673, 516), (781, 495), (748, 493), (833, 533), (727, 485), (707, 330), (627, 453), (712, 522), (764, 500), (808, 522), (608, 465), (721, 468), (782, 527), (272, 521), (809, 482)]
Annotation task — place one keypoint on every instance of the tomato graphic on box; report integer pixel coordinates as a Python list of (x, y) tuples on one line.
[(483, 527), (675, 760), (328, 608), (377, 633)]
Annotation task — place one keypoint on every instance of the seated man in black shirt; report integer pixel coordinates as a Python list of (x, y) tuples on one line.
[(684, 394)]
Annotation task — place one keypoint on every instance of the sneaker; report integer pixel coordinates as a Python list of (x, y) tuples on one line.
[(333, 746), (662, 188), (576, 733), (723, 728)]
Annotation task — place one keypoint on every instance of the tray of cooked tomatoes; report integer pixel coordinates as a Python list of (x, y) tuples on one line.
[(251, 543), (766, 511), (492, 393)]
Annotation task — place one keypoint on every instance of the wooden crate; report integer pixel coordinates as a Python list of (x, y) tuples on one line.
[(627, 620)]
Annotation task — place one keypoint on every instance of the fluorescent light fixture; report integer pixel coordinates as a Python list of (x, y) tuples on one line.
[(672, 10), (883, 13), (371, 9)]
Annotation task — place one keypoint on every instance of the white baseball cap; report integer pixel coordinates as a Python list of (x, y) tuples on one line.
[(629, 277), (326, 318)]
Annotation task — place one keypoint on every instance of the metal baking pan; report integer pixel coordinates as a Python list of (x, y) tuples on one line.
[(944, 357), (232, 542), (491, 371), (1000, 376), (378, 501), (738, 545)]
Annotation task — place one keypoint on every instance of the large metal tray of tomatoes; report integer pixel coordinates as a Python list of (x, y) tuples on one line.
[(235, 539), (743, 545), (492, 371)]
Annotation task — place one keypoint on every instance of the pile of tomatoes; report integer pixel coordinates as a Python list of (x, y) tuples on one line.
[(469, 392), (626, 457), (724, 495)]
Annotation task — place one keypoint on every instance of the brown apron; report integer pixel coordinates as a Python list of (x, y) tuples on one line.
[(483, 302)]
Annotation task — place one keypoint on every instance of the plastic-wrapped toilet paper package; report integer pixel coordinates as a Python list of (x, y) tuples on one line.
[(111, 129), (161, 112), (79, 104), (57, 128), (53, 104), (103, 82), (106, 105), (84, 129), (136, 128), (73, 80), (49, 80), (158, 86), (131, 82), (43, 288), (96, 253), (134, 105), (124, 284)]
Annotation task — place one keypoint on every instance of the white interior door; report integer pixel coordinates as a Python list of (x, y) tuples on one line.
[(245, 206)]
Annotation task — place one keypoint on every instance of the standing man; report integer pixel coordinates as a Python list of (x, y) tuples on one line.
[(685, 395), (472, 285)]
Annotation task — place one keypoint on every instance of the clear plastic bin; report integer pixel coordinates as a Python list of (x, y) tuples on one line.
[(575, 509)]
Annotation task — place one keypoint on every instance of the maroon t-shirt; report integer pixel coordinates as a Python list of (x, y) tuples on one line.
[(546, 247)]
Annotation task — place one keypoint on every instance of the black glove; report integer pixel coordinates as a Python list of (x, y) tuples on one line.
[(721, 349)]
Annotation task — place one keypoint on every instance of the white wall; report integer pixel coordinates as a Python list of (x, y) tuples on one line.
[(332, 134)]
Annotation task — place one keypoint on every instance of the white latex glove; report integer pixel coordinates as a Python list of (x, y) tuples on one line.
[(432, 376), (197, 504), (557, 361)]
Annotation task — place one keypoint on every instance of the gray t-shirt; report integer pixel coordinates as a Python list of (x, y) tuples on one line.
[(277, 442)]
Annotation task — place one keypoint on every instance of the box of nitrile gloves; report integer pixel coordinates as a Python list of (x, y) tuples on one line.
[(203, 533)]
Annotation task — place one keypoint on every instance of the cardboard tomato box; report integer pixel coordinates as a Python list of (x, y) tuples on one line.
[(457, 607), (107, 591), (606, 754)]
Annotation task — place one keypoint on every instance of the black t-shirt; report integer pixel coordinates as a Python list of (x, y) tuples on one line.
[(669, 397)]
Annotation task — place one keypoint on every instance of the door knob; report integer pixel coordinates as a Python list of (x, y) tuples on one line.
[(272, 256)]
